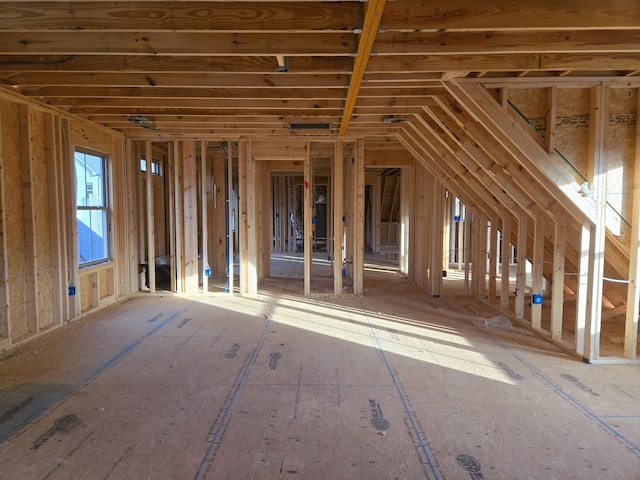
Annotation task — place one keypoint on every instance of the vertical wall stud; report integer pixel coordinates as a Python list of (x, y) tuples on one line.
[(151, 239), (338, 213), (537, 271), (557, 296)]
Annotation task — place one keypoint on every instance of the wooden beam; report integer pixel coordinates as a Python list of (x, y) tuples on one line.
[(506, 41), (482, 240), (57, 220), (437, 229), (506, 260), (184, 65), (633, 291), (190, 212), (597, 158), (252, 194), (583, 290), (493, 258), (308, 221), (178, 252), (550, 138), (150, 216), (376, 212), (174, 16), (505, 62), (505, 14), (176, 43), (28, 214), (170, 177), (407, 175), (521, 269), (557, 296), (467, 246), (537, 270), (365, 46), (204, 230), (358, 225), (230, 219), (5, 291), (162, 79), (338, 215)]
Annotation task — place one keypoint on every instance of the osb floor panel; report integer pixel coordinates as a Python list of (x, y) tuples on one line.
[(391, 385)]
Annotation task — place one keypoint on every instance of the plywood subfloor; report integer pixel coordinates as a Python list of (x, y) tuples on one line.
[(391, 385)]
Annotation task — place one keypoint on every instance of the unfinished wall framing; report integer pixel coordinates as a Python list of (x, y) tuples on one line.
[(492, 182), (42, 284)]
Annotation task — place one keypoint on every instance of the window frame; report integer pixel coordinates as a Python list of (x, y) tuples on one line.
[(104, 207)]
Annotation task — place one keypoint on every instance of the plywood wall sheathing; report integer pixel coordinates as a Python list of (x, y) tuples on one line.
[(86, 290), (41, 146), (572, 127), (14, 226), (532, 103), (620, 160)]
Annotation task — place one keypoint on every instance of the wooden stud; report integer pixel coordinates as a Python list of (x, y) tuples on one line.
[(633, 291), (252, 227), (407, 176), (171, 221), (190, 189), (475, 253), (231, 218), (437, 199), (521, 267), (179, 215), (506, 260), (151, 239), (338, 215), (482, 240), (376, 211), (31, 268), (264, 213), (584, 268), (141, 202), (550, 138), (219, 214), (460, 234), (493, 259), (56, 219), (242, 217), (69, 202), (204, 230), (557, 296), (358, 227), (468, 223), (308, 221), (445, 219), (537, 271), (5, 286), (597, 156)]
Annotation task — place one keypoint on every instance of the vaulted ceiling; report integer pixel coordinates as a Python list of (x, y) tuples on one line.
[(229, 69)]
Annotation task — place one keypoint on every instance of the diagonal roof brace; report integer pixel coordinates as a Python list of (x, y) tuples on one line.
[(372, 17)]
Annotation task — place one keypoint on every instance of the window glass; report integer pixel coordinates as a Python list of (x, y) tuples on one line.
[(91, 208)]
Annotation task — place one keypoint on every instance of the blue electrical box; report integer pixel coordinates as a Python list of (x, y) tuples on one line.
[(537, 299)]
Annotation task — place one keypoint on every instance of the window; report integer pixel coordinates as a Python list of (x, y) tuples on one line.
[(155, 166), (91, 207)]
